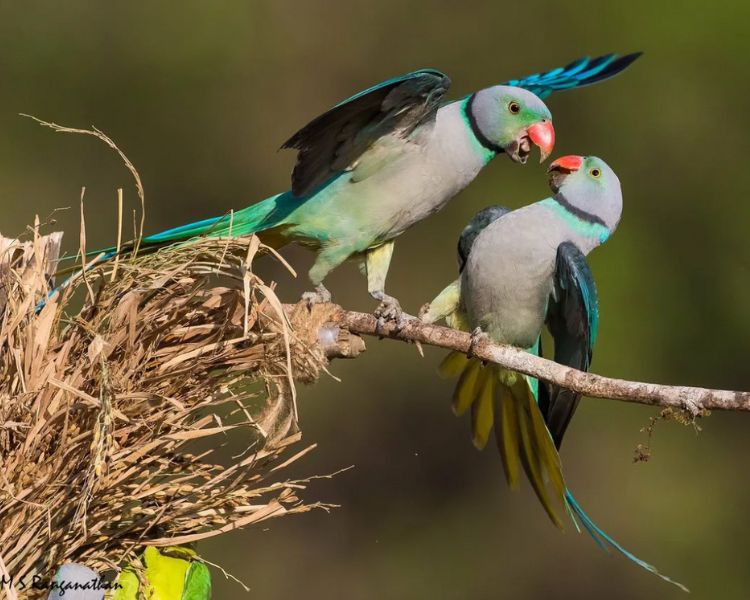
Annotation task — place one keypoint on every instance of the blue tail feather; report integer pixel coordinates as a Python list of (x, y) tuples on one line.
[(581, 72), (253, 219), (595, 67), (108, 254), (181, 231), (578, 516), (606, 542), (574, 68)]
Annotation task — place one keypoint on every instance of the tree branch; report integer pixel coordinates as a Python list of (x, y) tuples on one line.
[(692, 399)]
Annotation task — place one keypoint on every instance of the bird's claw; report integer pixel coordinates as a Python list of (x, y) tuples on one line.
[(389, 310), (477, 336), (320, 296), (424, 311)]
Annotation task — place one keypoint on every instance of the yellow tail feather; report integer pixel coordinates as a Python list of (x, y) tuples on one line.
[(506, 436), (468, 388), (531, 459), (453, 364), (505, 399), (482, 411), (545, 447)]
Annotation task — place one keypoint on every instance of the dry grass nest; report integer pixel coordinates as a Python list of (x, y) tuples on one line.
[(115, 397)]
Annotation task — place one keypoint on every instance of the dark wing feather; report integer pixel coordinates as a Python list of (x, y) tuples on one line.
[(573, 319), (581, 72), (336, 139), (472, 230)]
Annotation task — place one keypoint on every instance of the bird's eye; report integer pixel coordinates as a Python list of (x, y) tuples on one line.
[(595, 173), (514, 107)]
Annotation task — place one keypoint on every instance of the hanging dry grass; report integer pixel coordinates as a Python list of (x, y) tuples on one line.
[(110, 416)]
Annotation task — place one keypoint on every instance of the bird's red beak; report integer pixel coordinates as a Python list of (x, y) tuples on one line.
[(542, 134), (570, 163)]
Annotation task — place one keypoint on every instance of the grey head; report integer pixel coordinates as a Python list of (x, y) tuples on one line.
[(588, 188), (507, 119)]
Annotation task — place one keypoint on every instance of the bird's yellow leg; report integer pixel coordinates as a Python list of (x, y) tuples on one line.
[(444, 305), (377, 261)]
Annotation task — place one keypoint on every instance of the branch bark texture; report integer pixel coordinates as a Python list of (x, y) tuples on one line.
[(692, 399)]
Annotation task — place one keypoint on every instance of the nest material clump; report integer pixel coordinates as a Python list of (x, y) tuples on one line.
[(110, 415)]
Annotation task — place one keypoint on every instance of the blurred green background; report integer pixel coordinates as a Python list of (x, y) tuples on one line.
[(200, 95)]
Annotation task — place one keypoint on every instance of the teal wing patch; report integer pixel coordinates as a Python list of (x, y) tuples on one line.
[(573, 320)]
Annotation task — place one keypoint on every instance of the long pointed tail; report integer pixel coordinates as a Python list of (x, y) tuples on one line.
[(507, 400), (606, 542), (260, 217)]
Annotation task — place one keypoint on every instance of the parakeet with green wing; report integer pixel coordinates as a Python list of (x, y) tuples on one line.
[(388, 157)]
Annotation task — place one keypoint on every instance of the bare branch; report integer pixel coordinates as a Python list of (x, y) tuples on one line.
[(693, 399)]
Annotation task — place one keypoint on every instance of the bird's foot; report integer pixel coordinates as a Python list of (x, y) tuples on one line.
[(389, 309), (424, 311), (477, 337), (321, 295)]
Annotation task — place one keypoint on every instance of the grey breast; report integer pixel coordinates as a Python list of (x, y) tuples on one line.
[(508, 275)]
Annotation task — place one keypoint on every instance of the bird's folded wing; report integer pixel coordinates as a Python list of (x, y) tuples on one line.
[(572, 318), (474, 228)]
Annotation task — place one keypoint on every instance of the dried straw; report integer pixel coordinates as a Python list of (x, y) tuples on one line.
[(110, 416)]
